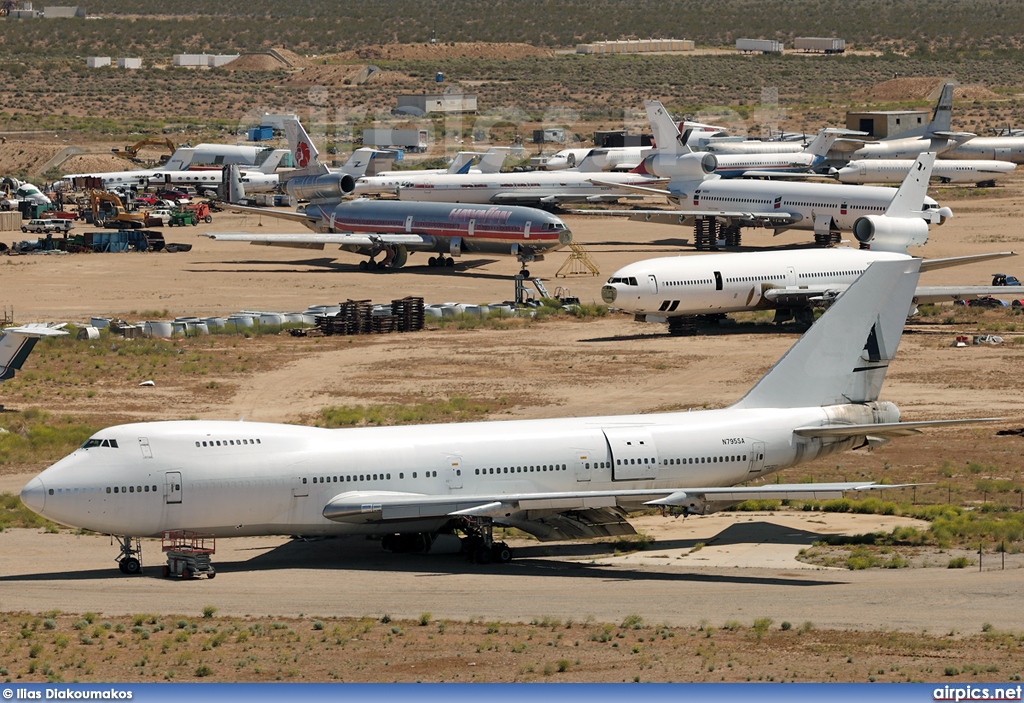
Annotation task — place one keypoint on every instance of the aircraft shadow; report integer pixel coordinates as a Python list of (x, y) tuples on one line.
[(552, 559), (708, 330), (461, 268)]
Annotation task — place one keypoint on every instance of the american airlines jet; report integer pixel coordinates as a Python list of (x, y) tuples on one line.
[(425, 485)]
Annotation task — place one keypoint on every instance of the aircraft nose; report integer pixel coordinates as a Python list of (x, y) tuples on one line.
[(609, 293), (33, 495)]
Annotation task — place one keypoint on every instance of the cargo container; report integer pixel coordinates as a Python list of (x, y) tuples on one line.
[(764, 46), (828, 45), (411, 139)]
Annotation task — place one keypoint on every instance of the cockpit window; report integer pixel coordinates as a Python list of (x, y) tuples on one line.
[(90, 443)]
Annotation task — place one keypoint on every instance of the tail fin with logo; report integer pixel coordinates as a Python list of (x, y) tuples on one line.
[(664, 129), (844, 356), (304, 152)]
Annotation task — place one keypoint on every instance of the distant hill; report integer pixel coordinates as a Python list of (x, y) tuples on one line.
[(335, 25)]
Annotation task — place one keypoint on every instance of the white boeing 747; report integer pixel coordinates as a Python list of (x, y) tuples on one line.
[(423, 485)]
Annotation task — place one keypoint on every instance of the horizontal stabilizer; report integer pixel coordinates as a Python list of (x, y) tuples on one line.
[(884, 430), (935, 264)]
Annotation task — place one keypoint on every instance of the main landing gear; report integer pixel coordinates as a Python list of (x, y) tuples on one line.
[(441, 261), (479, 542), (129, 561)]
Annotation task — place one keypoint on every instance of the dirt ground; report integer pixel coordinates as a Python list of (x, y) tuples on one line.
[(567, 367)]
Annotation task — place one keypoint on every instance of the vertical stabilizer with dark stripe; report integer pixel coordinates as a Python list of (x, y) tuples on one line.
[(17, 343), (843, 357)]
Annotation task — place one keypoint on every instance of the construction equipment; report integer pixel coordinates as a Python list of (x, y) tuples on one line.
[(109, 211), (181, 217), (132, 151), (201, 210), (188, 553)]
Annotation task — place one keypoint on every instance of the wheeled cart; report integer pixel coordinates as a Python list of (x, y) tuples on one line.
[(188, 553)]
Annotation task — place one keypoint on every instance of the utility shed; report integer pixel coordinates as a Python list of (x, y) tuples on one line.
[(439, 102), (886, 123), (132, 63), (97, 61), (66, 12)]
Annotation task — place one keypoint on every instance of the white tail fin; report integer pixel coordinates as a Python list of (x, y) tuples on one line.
[(231, 189), (359, 161), (942, 117), (304, 152), (666, 134), (17, 343), (272, 161), (462, 162), (180, 160), (824, 141), (909, 198), (494, 159), (844, 356)]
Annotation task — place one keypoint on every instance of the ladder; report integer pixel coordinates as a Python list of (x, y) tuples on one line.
[(579, 263)]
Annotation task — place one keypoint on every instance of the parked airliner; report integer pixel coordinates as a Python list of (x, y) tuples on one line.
[(463, 163), (680, 288), (719, 208), (944, 171), (554, 478)]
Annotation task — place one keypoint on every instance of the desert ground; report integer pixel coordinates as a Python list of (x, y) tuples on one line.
[(745, 568)]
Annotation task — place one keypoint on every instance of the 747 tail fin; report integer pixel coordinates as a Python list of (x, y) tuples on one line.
[(843, 357)]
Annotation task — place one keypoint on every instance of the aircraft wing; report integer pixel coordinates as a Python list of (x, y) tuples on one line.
[(767, 218), (646, 190), (317, 240), (279, 214), (37, 330), (563, 515), (945, 294), (935, 264), (510, 198)]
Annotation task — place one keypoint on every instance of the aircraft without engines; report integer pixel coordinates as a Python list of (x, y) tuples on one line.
[(422, 486), (983, 172), (719, 208)]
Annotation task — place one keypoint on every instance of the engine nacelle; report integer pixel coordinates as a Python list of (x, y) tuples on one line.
[(325, 187), (689, 166), (894, 234)]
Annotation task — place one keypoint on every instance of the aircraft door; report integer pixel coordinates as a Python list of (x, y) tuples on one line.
[(147, 452), (756, 464), (300, 488), (718, 280), (634, 455), (526, 229), (408, 224), (652, 284), (583, 464), (172, 487), (790, 276), (453, 471), (472, 228), (1002, 153)]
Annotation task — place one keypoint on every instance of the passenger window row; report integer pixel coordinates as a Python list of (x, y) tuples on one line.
[(521, 469), (227, 442)]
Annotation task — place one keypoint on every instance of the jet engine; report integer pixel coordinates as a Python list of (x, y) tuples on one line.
[(687, 166), (325, 187), (894, 234)]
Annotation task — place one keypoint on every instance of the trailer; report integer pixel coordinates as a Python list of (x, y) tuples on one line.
[(763, 46), (411, 139), (828, 45), (188, 553)]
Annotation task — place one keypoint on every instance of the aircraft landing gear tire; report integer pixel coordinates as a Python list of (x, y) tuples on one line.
[(131, 566), (525, 273), (432, 262), (449, 262), (501, 553), (364, 265), (482, 555)]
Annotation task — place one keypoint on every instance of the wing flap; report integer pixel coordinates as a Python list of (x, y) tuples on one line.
[(945, 294)]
